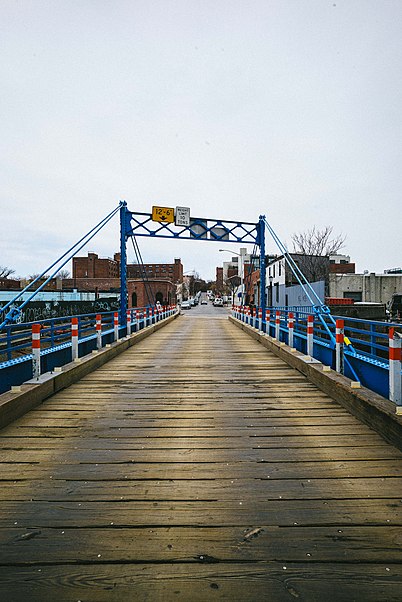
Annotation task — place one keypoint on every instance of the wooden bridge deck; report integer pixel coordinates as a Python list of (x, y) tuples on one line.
[(197, 466)]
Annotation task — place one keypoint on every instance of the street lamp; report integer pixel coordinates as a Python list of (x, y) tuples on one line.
[(241, 255)]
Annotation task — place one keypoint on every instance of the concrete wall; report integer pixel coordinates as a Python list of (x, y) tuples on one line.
[(374, 288), (296, 295)]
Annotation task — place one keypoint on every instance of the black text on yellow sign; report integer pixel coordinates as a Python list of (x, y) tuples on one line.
[(163, 214)]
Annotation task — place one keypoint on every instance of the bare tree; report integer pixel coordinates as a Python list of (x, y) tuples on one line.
[(63, 274), (313, 249), (318, 242), (5, 272)]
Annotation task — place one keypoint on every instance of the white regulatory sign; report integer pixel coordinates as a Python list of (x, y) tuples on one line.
[(182, 216)]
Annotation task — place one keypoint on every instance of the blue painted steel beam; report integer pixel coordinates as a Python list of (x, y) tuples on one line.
[(261, 240), (199, 229), (124, 221)]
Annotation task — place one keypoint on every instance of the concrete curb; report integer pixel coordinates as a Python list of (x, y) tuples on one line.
[(369, 407), (20, 400)]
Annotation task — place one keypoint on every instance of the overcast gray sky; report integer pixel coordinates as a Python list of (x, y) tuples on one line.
[(288, 108)]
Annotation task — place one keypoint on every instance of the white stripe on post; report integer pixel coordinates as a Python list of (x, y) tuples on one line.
[(340, 330), (74, 338), (98, 331), (291, 324), (36, 350), (128, 322), (277, 324), (310, 335), (395, 355), (116, 325)]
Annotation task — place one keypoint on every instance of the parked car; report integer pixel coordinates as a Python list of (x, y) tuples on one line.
[(204, 302), (185, 305), (218, 302)]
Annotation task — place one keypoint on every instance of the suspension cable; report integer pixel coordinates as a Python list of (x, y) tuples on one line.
[(319, 308), (15, 312), (143, 272)]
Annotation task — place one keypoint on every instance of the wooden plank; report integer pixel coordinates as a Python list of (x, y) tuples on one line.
[(202, 580), (279, 512), (183, 544), (209, 490), (229, 470), (262, 453)]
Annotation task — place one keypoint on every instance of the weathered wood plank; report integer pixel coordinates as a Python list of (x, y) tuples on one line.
[(184, 544), (280, 512), (231, 470), (201, 581), (210, 490)]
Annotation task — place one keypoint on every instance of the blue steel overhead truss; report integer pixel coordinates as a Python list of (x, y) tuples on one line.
[(134, 224)]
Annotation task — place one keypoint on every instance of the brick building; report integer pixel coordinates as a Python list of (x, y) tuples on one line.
[(170, 271), (96, 267), (9, 284), (103, 275), (219, 279)]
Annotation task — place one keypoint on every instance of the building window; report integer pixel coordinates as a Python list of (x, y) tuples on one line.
[(356, 296)]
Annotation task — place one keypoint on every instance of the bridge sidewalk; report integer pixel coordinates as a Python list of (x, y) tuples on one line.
[(197, 466)]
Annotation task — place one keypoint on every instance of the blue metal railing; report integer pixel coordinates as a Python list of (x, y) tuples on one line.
[(366, 347), (56, 346)]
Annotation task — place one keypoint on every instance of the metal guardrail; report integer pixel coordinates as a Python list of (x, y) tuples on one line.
[(17, 357), (366, 342)]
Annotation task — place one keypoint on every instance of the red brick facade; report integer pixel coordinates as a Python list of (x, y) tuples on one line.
[(171, 271), (342, 268), (94, 274), (219, 279), (93, 267), (8, 284), (161, 290)]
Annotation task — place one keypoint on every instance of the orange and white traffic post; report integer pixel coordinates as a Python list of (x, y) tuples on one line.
[(137, 320), (277, 324), (291, 324), (74, 338), (128, 322), (98, 327), (260, 319), (116, 326), (36, 350), (395, 356), (339, 346), (310, 335), (267, 320)]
